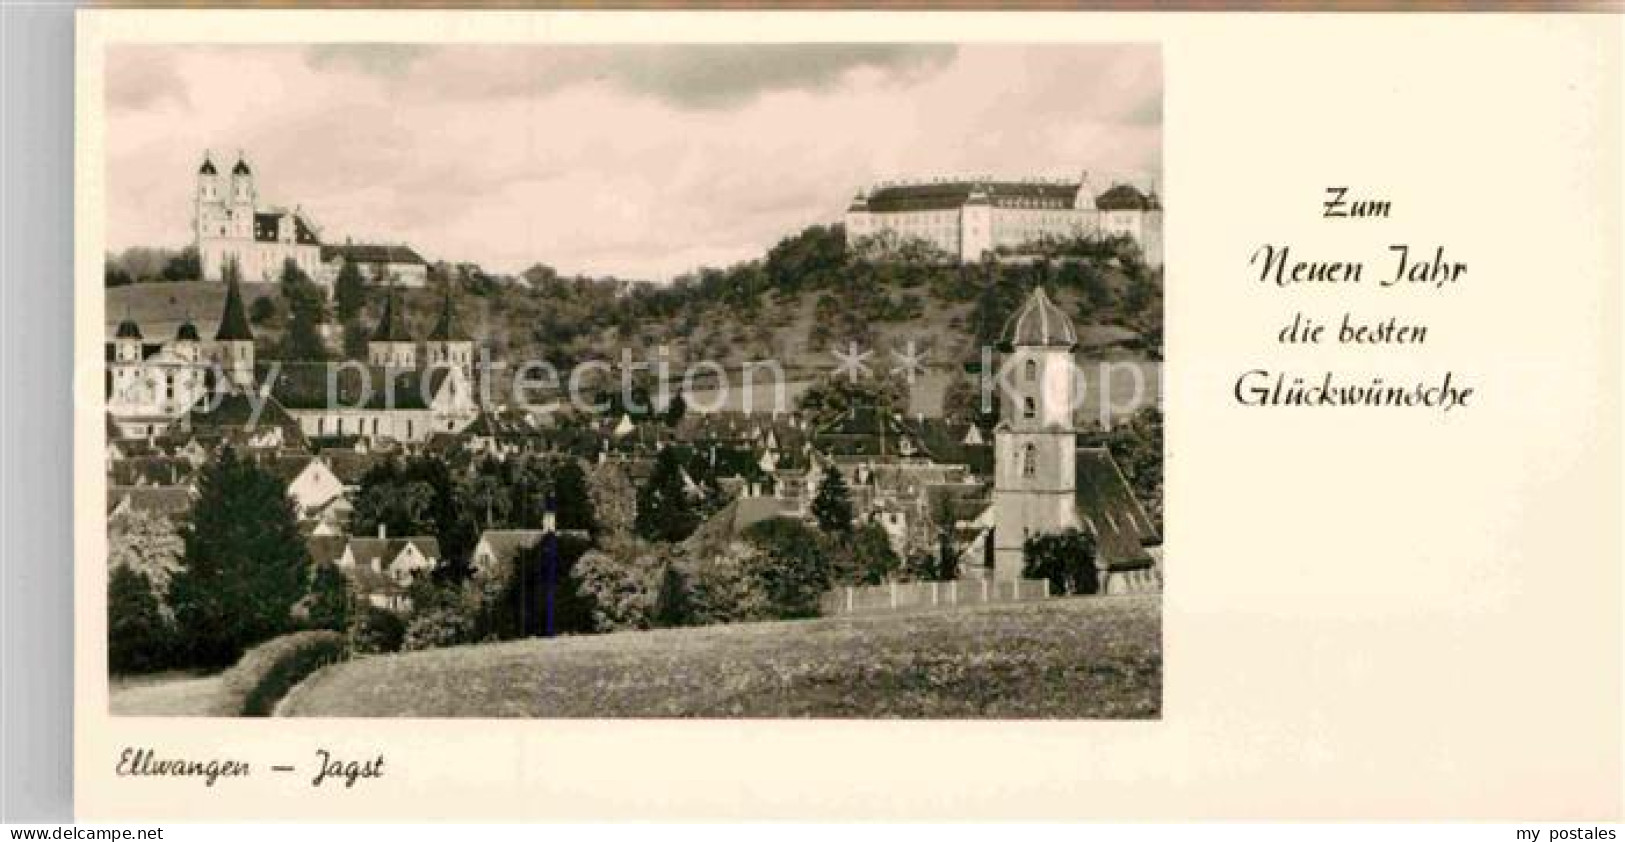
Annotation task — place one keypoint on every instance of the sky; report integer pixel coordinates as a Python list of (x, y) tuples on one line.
[(641, 161)]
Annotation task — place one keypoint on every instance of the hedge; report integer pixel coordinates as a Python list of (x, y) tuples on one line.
[(267, 672)]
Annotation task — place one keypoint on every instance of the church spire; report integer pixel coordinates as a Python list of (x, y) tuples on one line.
[(446, 328), (391, 328), (233, 319)]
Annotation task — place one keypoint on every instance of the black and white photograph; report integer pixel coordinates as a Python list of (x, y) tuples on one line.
[(634, 380)]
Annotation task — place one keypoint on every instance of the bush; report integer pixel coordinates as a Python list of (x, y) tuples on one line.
[(727, 588), (447, 624), (622, 584), (374, 630), (1066, 559), (267, 672)]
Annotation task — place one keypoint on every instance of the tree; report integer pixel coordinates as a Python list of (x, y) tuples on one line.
[(1066, 559), (832, 506), (183, 266), (614, 501), (419, 497), (327, 604), (262, 310), (665, 512), (944, 521), (621, 583), (349, 292), (148, 544), (138, 638), (794, 568), (674, 606), (245, 562), (838, 394), (873, 559), (307, 309), (114, 275), (570, 494)]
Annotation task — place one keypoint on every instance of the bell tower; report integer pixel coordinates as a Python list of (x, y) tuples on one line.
[(234, 343), (1035, 443)]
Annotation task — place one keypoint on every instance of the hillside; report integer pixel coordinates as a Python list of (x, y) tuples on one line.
[(1088, 657), (808, 296)]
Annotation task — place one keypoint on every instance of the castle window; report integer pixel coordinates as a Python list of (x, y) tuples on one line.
[(1032, 370), (1029, 461), (1029, 408)]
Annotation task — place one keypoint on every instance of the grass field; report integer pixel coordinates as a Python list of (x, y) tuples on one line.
[(1064, 658), (164, 694)]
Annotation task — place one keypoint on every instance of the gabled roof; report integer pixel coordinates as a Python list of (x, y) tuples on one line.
[(233, 318), (233, 415), (171, 501), (366, 253), (1109, 510), (348, 465), (732, 519), (951, 195), (386, 550), (868, 430), (506, 544), (327, 549), (150, 471), (304, 386), (267, 225)]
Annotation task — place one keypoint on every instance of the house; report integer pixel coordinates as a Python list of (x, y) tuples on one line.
[(380, 263), (170, 501), (311, 482), (382, 569), (496, 550)]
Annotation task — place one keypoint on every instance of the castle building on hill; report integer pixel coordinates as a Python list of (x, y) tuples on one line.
[(969, 217), (232, 227)]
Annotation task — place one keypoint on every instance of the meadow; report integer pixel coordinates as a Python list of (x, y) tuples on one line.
[(1089, 657)]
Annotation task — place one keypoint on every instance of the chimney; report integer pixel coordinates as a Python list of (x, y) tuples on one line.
[(383, 531)]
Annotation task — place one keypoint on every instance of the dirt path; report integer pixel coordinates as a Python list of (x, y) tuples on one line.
[(184, 696)]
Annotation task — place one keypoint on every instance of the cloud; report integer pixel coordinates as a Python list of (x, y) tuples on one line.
[(635, 161), (383, 59), (701, 76), (143, 80)]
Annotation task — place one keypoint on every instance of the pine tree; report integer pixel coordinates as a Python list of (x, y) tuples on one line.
[(664, 511), (832, 507), (138, 639), (327, 605), (349, 292), (673, 605), (245, 564), (570, 494)]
